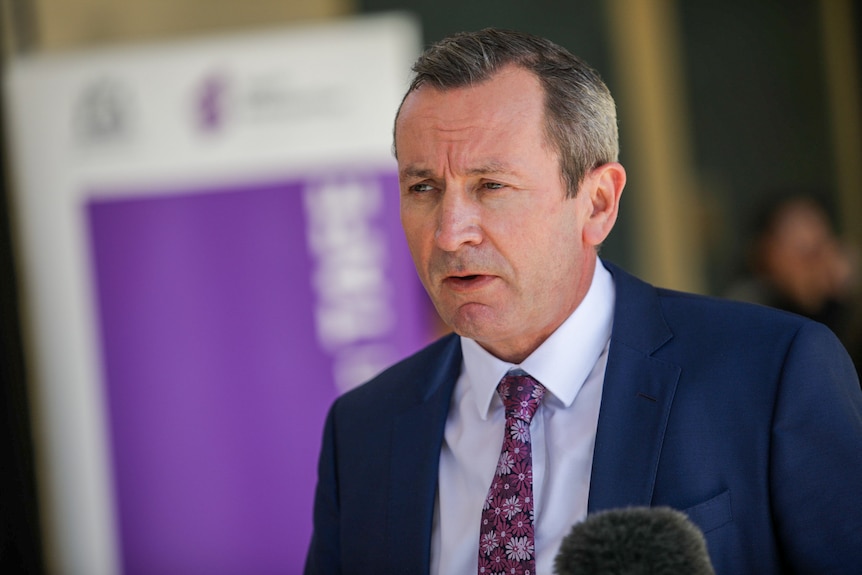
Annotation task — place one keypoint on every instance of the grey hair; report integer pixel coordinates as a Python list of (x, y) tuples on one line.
[(580, 114)]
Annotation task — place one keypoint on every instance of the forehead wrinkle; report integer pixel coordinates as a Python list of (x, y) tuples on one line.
[(491, 167)]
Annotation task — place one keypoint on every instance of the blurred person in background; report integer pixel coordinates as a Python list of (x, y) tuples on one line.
[(796, 262), (604, 391)]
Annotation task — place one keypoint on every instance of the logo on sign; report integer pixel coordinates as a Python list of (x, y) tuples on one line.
[(104, 113)]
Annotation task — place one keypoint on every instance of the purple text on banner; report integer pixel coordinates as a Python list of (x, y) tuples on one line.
[(230, 319)]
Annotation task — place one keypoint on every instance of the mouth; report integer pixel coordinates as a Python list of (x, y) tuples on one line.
[(467, 282)]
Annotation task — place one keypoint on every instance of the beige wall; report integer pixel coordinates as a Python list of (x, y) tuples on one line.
[(56, 25)]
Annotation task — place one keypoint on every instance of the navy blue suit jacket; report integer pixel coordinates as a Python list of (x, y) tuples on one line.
[(746, 418)]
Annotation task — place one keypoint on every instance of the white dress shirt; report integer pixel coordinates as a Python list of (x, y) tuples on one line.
[(571, 365)]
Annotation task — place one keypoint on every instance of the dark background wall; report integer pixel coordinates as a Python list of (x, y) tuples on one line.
[(758, 105)]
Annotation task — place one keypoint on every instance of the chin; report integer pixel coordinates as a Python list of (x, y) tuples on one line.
[(484, 334)]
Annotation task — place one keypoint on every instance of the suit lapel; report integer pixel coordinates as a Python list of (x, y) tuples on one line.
[(636, 400), (417, 436)]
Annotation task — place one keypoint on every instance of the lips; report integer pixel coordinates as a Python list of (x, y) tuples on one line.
[(467, 282)]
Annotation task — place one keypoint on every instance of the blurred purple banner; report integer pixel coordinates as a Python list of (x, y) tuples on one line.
[(230, 319)]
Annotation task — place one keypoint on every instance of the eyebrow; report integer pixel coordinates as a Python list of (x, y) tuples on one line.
[(492, 167), (413, 172)]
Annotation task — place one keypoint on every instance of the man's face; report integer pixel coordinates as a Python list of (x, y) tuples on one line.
[(496, 242)]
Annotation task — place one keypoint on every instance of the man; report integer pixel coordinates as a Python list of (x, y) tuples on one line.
[(747, 419)]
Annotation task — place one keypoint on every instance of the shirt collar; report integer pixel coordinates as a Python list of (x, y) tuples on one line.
[(586, 331)]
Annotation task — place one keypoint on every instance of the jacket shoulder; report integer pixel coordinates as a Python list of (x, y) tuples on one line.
[(414, 377), (649, 318), (719, 315)]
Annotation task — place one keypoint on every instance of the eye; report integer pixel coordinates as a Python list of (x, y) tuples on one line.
[(493, 186), (421, 188)]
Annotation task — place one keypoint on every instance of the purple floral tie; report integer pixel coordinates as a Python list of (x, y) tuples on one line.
[(506, 539)]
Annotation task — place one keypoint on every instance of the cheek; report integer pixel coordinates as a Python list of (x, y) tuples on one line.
[(417, 237), (550, 240), (411, 224), (554, 255)]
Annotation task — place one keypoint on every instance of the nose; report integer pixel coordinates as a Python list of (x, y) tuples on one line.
[(459, 221)]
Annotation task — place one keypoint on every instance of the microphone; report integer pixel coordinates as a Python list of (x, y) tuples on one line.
[(634, 541)]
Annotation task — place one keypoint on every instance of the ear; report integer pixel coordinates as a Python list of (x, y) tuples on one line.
[(602, 189)]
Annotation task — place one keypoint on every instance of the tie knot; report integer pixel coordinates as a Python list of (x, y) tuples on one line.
[(521, 395)]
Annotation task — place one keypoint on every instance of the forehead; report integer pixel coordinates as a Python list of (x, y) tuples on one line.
[(509, 103), (511, 90)]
